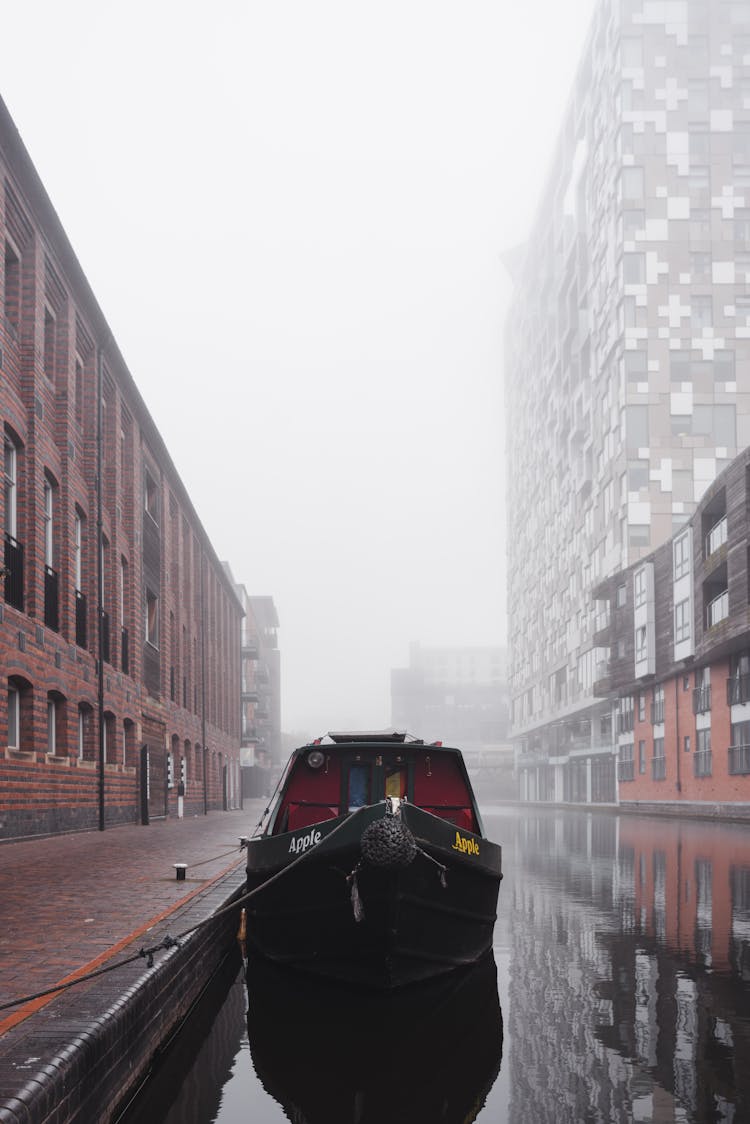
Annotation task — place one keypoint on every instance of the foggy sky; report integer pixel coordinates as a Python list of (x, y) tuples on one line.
[(292, 216)]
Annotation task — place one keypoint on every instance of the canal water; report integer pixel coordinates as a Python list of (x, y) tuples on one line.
[(619, 990)]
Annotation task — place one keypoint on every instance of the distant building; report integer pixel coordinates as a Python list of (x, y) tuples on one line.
[(119, 627), (628, 353), (677, 629), (260, 697), (457, 695)]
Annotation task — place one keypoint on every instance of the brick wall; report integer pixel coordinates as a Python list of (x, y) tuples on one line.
[(54, 349)]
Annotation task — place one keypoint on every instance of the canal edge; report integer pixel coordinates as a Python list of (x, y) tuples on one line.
[(77, 1059)]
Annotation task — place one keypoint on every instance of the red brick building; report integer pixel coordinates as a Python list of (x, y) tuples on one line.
[(674, 634), (103, 553)]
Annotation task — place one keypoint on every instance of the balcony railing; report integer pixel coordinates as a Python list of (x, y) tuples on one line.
[(105, 636), (625, 770), (702, 699), (51, 598), (718, 609), (738, 689), (81, 619), (716, 537), (657, 712), (124, 652), (739, 759), (658, 768), (13, 563), (702, 763)]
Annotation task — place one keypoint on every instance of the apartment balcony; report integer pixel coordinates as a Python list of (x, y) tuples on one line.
[(702, 699), (739, 759), (717, 610), (51, 598), (602, 679), (738, 690), (702, 763), (13, 564), (658, 768), (81, 619), (249, 693), (657, 712), (716, 537), (249, 646)]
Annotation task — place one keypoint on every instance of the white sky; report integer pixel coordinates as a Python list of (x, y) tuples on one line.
[(292, 215)]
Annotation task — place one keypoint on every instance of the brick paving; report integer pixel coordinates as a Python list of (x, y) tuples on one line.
[(69, 900)]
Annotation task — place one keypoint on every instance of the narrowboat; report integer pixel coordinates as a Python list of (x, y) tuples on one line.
[(374, 865)]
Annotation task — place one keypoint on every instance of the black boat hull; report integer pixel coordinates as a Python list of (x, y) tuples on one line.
[(416, 924)]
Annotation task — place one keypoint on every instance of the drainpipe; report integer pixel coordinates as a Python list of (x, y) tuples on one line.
[(100, 579), (203, 687), (677, 730)]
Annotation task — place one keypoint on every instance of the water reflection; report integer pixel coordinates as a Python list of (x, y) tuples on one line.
[(623, 946), (430, 1053), (629, 973)]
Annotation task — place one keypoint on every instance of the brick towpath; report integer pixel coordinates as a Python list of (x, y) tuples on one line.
[(77, 900)]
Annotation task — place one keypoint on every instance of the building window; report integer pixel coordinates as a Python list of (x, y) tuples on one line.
[(641, 708), (702, 759), (681, 556), (11, 489), (634, 269), (633, 184), (682, 630), (151, 496), (78, 551), (49, 523), (659, 762), (641, 757), (51, 726), (49, 344), (639, 588), (14, 717), (641, 644), (621, 596), (686, 743), (12, 288), (152, 618)]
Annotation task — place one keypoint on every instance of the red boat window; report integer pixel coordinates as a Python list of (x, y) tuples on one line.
[(311, 793), (441, 788)]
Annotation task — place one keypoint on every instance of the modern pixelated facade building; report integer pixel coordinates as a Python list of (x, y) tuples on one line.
[(627, 359)]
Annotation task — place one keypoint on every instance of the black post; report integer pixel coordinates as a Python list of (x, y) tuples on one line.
[(100, 582), (144, 785)]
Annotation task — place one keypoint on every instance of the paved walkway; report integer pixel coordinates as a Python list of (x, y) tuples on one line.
[(74, 901)]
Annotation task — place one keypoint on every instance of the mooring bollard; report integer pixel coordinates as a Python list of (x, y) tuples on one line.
[(179, 869)]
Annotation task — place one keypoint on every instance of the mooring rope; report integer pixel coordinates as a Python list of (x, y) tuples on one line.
[(170, 942)]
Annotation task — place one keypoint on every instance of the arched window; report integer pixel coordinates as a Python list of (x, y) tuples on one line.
[(87, 742), (20, 714), (51, 576), (13, 557), (56, 725)]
